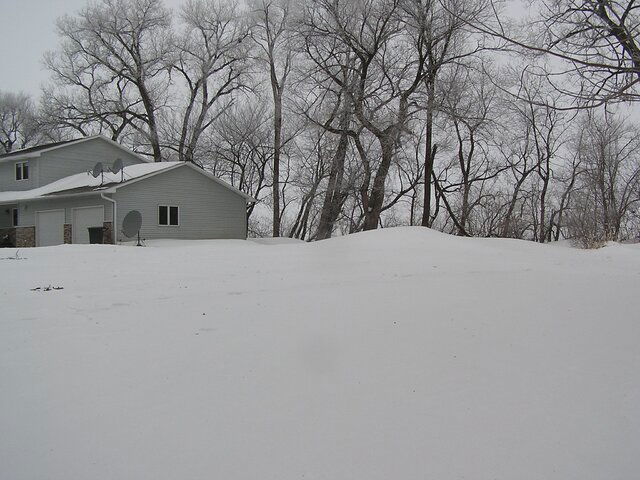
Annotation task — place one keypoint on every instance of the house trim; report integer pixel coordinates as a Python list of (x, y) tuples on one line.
[(168, 215), (52, 197), (22, 164)]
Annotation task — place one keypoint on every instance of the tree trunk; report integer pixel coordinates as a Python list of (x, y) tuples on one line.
[(277, 143), (154, 139), (543, 199), (334, 197), (506, 226), (376, 199), (429, 154)]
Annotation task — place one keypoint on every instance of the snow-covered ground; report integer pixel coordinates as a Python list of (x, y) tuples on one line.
[(396, 354)]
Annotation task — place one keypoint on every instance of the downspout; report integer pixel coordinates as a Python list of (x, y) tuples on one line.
[(114, 220)]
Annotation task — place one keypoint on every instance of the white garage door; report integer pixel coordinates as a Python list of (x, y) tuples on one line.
[(86, 217), (49, 228)]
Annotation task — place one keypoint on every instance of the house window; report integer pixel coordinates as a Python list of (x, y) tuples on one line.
[(14, 217), (168, 215), (22, 171)]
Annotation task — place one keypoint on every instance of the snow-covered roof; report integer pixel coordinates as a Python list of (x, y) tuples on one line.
[(86, 182), (201, 171)]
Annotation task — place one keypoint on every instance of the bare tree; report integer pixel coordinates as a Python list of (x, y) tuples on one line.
[(593, 44), (567, 182), (609, 187), (311, 171), (91, 108), (471, 110), (442, 24), (238, 149), (273, 35), (330, 110), (382, 88), (122, 49), (517, 151), (18, 122), (212, 63), (537, 110)]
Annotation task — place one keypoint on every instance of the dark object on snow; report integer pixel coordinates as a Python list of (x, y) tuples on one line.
[(15, 257), (46, 289), (95, 234)]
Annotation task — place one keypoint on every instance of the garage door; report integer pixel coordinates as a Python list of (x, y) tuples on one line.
[(86, 217), (49, 228)]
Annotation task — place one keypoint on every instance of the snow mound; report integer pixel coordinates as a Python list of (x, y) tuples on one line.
[(277, 241), (401, 353)]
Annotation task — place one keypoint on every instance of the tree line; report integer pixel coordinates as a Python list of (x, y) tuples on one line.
[(350, 115)]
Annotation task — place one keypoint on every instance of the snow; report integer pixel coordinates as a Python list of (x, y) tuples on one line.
[(83, 180), (401, 353), (276, 241)]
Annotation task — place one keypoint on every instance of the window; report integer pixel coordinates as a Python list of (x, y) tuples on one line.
[(168, 215), (14, 217), (22, 171)]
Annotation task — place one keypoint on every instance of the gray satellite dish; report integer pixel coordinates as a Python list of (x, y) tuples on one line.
[(97, 170), (117, 166), (131, 224)]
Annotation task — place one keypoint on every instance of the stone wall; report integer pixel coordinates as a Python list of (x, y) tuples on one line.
[(107, 233), (68, 233), (25, 237), (8, 237)]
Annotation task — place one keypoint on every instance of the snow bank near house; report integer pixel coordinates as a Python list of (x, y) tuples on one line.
[(401, 353), (276, 241)]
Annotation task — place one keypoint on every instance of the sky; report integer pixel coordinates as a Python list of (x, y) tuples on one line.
[(27, 30)]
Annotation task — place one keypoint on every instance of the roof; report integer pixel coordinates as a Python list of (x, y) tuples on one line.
[(46, 146), (38, 150), (200, 170), (84, 183)]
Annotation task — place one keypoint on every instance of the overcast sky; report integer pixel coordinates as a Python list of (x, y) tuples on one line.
[(27, 30)]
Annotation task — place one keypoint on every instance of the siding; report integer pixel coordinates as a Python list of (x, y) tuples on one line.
[(28, 210), (5, 215), (81, 157), (207, 209), (62, 162), (8, 180)]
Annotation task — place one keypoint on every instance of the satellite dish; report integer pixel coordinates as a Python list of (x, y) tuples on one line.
[(97, 170), (131, 224), (117, 166)]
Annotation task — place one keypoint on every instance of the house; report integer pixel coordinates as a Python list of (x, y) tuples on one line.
[(48, 196)]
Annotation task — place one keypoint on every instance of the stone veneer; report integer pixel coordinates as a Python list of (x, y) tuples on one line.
[(11, 232), (68, 233), (25, 237), (107, 233)]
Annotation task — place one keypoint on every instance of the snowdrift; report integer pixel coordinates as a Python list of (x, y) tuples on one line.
[(401, 353)]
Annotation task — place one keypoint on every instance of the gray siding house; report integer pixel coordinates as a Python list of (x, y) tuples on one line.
[(49, 197)]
